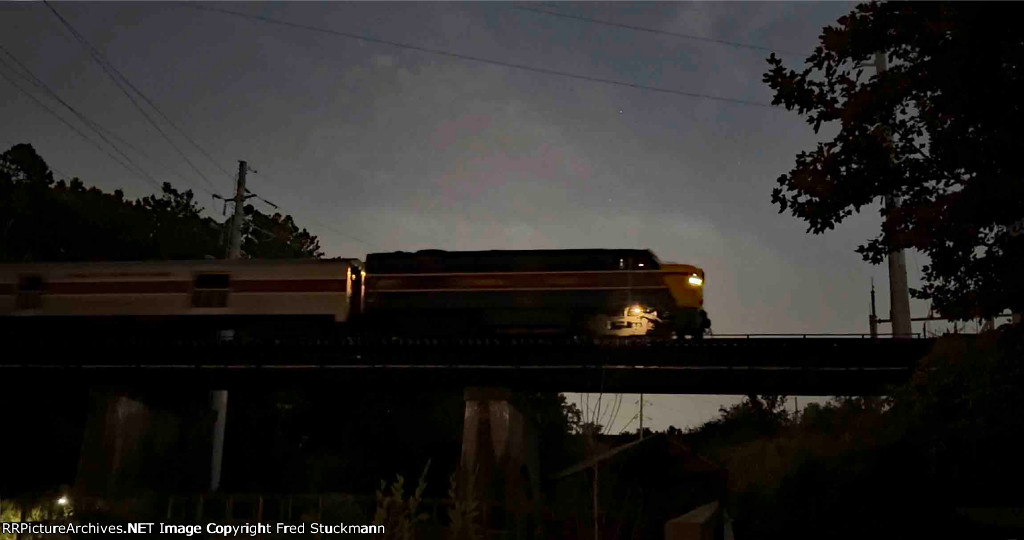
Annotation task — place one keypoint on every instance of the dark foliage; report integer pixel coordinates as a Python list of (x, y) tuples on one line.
[(939, 130), (46, 220), (896, 467)]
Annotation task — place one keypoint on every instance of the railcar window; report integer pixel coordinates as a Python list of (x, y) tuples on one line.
[(212, 281), (30, 292), (211, 290)]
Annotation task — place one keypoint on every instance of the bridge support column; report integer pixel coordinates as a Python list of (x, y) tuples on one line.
[(111, 445), (500, 463), (133, 445)]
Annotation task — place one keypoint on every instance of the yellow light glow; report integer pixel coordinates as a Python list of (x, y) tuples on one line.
[(62, 501), (636, 310), (695, 280)]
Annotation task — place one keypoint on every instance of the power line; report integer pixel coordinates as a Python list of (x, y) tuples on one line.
[(481, 60), (148, 156), (118, 77), (32, 78), (69, 125), (652, 31), (322, 224), (150, 102)]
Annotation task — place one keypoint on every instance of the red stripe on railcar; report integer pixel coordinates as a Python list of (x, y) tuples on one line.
[(184, 287), (117, 287), (289, 285)]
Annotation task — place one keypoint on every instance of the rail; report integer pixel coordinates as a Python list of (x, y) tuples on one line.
[(783, 364)]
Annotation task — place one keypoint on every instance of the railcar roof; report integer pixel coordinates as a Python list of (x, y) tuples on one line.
[(196, 262), (436, 260)]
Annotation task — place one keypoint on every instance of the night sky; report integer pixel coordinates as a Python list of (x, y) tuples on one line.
[(375, 147)]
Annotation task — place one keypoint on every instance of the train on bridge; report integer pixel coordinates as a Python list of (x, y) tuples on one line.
[(594, 292)]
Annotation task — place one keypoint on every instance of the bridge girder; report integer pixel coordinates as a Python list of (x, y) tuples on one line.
[(794, 366)]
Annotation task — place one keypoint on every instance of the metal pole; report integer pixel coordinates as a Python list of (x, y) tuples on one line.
[(641, 417), (899, 294), (219, 404), (873, 318), (597, 533)]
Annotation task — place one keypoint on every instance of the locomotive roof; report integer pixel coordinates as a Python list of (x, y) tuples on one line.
[(535, 260)]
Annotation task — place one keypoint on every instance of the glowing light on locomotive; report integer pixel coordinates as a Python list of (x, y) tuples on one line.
[(695, 280)]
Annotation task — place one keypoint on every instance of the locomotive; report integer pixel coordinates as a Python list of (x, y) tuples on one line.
[(612, 292), (597, 292)]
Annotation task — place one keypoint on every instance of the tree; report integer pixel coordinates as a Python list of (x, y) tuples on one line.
[(46, 220), (175, 227), (942, 441), (59, 221), (276, 237), (939, 130)]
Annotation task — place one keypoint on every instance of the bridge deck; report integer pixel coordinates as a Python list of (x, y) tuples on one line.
[(786, 365)]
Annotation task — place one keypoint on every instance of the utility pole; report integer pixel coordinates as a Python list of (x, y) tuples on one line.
[(219, 398), (641, 417), (899, 294), (873, 318), (239, 215)]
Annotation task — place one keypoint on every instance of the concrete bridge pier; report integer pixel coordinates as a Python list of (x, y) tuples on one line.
[(500, 463), (137, 444)]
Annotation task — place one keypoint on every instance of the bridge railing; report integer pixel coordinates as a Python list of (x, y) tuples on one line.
[(818, 335)]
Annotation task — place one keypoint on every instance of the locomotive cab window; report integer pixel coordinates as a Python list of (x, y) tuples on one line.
[(211, 290), (30, 292)]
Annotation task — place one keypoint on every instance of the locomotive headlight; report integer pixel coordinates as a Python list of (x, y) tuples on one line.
[(695, 280), (636, 310)]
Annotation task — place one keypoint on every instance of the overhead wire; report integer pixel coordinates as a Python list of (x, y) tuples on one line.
[(479, 59), (105, 64), (146, 98), (119, 78), (614, 414), (651, 30), (35, 80), (74, 128), (315, 29), (121, 81), (350, 236), (177, 174)]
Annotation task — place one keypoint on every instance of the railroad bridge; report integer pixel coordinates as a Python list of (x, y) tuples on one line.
[(129, 416), (793, 364)]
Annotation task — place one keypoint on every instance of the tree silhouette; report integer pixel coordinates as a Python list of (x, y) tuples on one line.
[(46, 220), (276, 237), (939, 129)]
